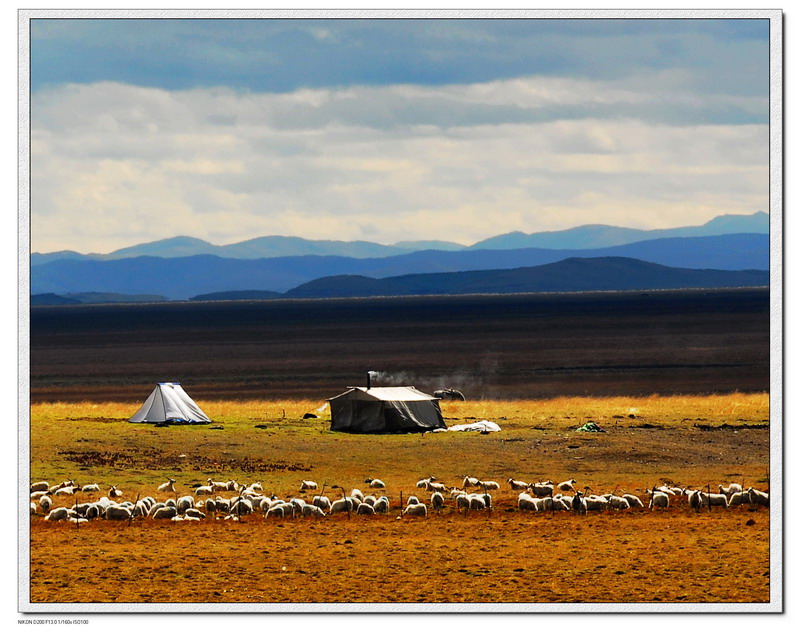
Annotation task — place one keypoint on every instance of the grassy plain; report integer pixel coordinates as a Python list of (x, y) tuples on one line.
[(503, 556)]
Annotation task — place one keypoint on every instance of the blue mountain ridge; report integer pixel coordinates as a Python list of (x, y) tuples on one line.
[(185, 277)]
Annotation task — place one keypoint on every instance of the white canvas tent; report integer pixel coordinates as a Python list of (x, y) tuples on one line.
[(169, 404)]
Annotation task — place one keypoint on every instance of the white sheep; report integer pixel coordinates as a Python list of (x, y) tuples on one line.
[(381, 505), (65, 491), (164, 513), (92, 487), (34, 508), (526, 502), (323, 502), (40, 486), (38, 495), (59, 513), (312, 510), (375, 483), (204, 490), (357, 493), (370, 500), (470, 481), (579, 503), (634, 501), (487, 485), (169, 486), (113, 492), (541, 489), (278, 510), (217, 486), (184, 502), (739, 498), (412, 500), (365, 510), (757, 497), (304, 485), (595, 503), (416, 510), (53, 488), (45, 502), (437, 501), (341, 505), (730, 489), (618, 502), (517, 485), (567, 486), (715, 500), (477, 502), (433, 486), (191, 512), (658, 499), (425, 481), (117, 512)]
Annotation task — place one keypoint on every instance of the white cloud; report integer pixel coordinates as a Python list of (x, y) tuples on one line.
[(114, 165)]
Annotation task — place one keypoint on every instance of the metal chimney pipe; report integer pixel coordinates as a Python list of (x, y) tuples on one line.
[(369, 384)]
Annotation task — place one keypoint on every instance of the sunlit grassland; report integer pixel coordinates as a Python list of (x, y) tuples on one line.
[(269, 441)]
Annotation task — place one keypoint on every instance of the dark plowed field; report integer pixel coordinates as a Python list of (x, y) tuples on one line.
[(505, 346)]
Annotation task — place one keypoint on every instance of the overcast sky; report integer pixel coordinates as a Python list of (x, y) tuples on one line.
[(390, 130)]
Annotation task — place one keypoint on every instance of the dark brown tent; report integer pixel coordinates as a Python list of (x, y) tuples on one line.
[(384, 410)]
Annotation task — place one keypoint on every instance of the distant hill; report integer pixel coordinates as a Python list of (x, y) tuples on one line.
[(83, 298), (244, 295), (185, 277), (602, 236), (570, 275), (579, 238)]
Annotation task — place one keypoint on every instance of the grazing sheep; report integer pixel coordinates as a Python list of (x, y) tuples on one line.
[(204, 490), (739, 498), (758, 497), (365, 510), (304, 485), (730, 489), (658, 499), (323, 502), (191, 512), (59, 513), (184, 502), (433, 486), (617, 502), (633, 501), (278, 510), (232, 486), (217, 486), (169, 486), (370, 500), (425, 481), (40, 486), (526, 502), (477, 502), (34, 508), (53, 488), (93, 487), (357, 493), (517, 485), (595, 503), (437, 501), (412, 500), (341, 505), (669, 491), (381, 505), (579, 503), (164, 513), (715, 500), (38, 495), (45, 502), (113, 492), (375, 483), (241, 507), (65, 491), (416, 510), (541, 489), (567, 486), (487, 485), (312, 510), (117, 512)]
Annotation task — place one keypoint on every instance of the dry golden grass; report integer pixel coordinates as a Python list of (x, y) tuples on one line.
[(673, 556)]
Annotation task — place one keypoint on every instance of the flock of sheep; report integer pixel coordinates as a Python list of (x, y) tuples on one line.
[(210, 501)]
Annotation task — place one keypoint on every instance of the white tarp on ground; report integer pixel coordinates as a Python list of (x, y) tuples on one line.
[(478, 426), (169, 403)]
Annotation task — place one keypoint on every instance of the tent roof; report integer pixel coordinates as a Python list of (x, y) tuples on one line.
[(386, 394), (169, 403)]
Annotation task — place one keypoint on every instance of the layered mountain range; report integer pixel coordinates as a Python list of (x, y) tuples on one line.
[(267, 267)]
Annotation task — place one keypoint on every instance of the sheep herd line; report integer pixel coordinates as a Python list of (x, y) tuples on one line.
[(213, 500)]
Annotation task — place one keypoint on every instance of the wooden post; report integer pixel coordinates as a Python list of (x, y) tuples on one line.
[(401, 503)]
